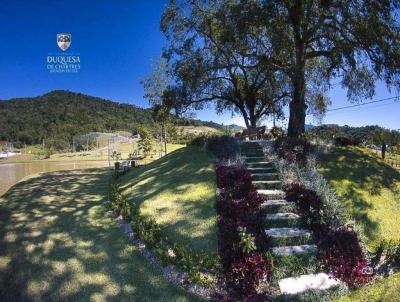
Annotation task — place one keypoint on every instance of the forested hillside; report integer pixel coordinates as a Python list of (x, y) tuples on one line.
[(59, 115)]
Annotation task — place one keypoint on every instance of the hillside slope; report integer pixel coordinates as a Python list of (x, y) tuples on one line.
[(368, 189), (178, 191), (59, 115)]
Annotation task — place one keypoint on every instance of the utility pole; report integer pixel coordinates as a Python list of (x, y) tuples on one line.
[(108, 155), (164, 130)]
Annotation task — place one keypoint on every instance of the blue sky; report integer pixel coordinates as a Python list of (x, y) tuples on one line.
[(117, 42)]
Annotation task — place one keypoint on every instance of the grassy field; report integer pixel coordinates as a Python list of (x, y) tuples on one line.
[(178, 190), (386, 290), (57, 243), (368, 188), (198, 130)]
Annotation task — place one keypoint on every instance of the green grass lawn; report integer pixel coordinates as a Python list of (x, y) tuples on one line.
[(57, 243), (178, 190), (368, 188), (386, 290)]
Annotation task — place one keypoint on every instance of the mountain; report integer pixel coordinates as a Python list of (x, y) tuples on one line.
[(308, 127), (59, 115), (235, 127)]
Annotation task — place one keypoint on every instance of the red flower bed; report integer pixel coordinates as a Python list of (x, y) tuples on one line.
[(239, 205), (342, 255), (344, 258)]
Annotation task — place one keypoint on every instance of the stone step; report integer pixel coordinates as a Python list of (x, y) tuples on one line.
[(288, 232), (289, 236), (265, 176), (254, 159), (271, 194), (303, 283), (262, 164), (267, 184), (278, 206), (260, 169), (252, 149), (282, 220), (294, 250), (252, 154)]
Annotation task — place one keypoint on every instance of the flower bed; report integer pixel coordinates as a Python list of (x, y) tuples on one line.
[(341, 252), (242, 241)]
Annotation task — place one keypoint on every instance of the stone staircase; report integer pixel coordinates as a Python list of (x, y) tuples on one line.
[(293, 249)]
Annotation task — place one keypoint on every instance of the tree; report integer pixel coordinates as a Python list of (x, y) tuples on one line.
[(144, 143), (216, 59), (160, 95), (355, 41)]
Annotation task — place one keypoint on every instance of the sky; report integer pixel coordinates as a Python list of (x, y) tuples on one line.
[(117, 41)]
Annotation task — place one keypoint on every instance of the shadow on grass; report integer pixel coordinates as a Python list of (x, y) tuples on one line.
[(58, 244), (179, 191), (356, 174)]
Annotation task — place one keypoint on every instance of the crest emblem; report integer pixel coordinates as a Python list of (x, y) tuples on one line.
[(63, 41)]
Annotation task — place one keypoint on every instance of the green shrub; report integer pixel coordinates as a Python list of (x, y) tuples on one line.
[(199, 141), (150, 232), (277, 132), (389, 250)]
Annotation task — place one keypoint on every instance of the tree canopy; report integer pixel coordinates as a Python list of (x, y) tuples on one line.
[(215, 59), (355, 42), (253, 56)]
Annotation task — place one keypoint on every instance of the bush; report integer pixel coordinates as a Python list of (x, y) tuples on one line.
[(277, 132), (342, 255), (309, 206), (387, 254), (199, 141), (223, 147), (247, 272), (241, 237), (234, 179), (151, 233), (346, 141), (293, 149), (344, 258)]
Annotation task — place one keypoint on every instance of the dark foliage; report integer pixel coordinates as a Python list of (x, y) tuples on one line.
[(239, 205), (365, 134), (293, 149), (344, 258), (234, 180), (341, 253), (199, 141), (223, 147), (247, 272), (308, 206), (346, 141)]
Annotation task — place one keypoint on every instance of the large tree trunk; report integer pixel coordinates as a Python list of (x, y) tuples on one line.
[(297, 116), (253, 121), (298, 107)]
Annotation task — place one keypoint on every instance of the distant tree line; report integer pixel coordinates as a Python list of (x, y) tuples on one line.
[(58, 116), (369, 135)]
